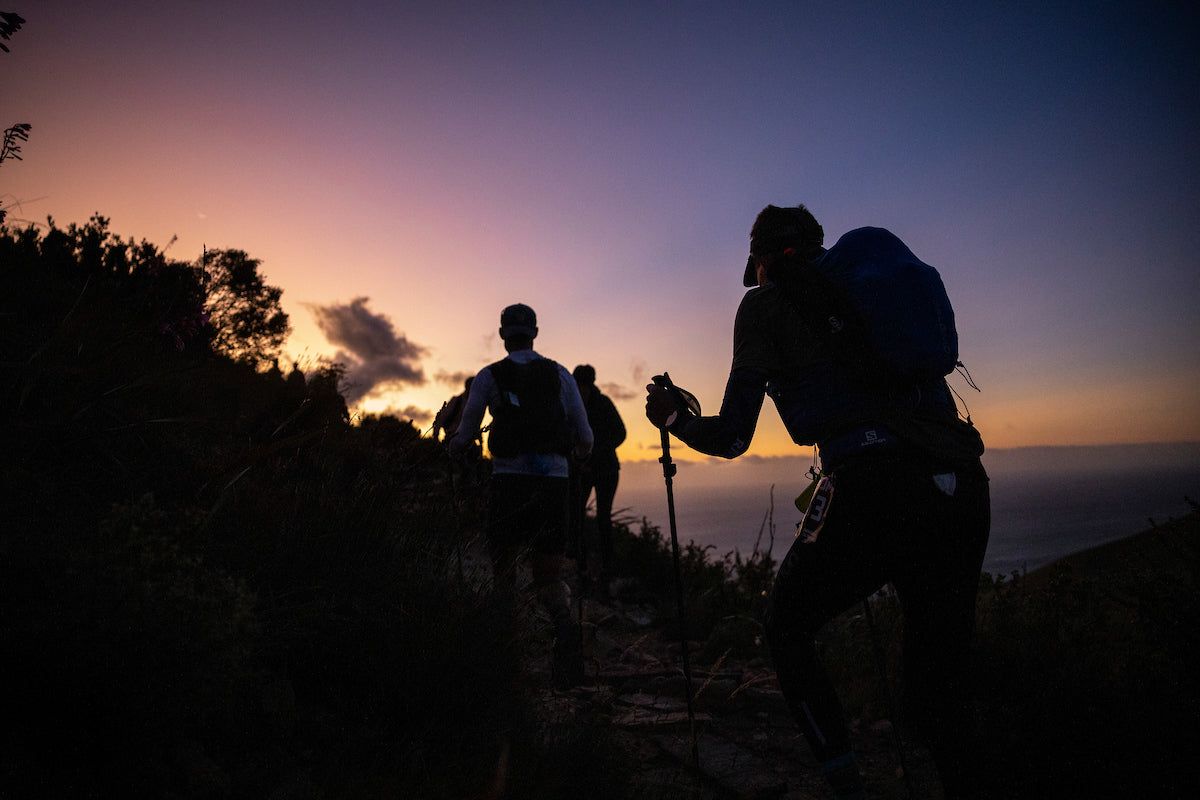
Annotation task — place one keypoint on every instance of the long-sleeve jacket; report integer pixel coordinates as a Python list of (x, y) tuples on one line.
[(609, 431)]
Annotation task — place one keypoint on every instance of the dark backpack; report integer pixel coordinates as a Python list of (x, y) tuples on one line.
[(879, 309), (528, 414)]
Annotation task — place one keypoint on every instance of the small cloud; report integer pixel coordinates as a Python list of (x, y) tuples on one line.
[(376, 357), (453, 378), (640, 371), (618, 393)]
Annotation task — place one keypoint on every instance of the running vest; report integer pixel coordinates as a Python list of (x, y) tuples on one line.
[(528, 414)]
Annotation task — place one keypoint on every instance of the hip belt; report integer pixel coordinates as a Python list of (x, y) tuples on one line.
[(867, 440)]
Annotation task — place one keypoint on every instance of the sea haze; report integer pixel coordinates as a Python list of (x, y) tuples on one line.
[(1047, 502)]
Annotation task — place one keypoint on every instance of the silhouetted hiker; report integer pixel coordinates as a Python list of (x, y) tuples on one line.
[(450, 414), (600, 472), (909, 502), (538, 424), (297, 387)]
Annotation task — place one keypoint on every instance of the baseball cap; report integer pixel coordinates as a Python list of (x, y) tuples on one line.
[(777, 227), (518, 320)]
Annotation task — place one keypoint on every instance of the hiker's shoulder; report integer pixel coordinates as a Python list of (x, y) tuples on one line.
[(759, 297), (760, 306), (549, 365)]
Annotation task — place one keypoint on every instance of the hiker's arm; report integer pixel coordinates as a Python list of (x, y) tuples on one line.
[(609, 428), (728, 434), (472, 416), (618, 425)]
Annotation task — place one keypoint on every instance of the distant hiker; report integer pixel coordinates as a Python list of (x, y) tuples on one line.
[(538, 425), (296, 388), (599, 472), (903, 497), (450, 414)]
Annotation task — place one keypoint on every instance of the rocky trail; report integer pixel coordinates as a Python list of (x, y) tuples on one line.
[(746, 744)]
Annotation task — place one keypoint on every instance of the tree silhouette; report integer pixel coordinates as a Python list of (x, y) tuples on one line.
[(249, 323), (10, 23)]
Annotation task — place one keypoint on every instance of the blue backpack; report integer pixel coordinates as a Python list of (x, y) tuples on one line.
[(877, 307)]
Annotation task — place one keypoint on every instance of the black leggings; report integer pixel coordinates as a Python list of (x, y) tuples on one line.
[(889, 521), (527, 512), (605, 485)]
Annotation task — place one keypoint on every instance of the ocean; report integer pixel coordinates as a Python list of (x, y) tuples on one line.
[(1047, 502)]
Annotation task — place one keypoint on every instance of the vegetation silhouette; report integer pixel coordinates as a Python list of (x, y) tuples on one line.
[(208, 571), (17, 134), (218, 584), (247, 321), (10, 23)]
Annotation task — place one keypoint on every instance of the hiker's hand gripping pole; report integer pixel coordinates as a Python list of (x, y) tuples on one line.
[(668, 466), (666, 403)]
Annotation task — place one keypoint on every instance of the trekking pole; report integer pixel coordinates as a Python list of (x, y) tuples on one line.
[(668, 475), (887, 693)]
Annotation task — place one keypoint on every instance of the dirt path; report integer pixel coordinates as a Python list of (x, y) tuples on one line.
[(746, 742)]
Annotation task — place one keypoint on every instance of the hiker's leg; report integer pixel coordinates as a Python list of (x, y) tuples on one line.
[(937, 583), (606, 492), (552, 591), (576, 544), (546, 559), (505, 534), (547, 517), (817, 581), (504, 572)]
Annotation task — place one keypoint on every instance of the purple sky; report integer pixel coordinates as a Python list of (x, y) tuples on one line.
[(406, 170)]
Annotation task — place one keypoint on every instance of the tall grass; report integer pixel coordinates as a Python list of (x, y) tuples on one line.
[(1087, 678)]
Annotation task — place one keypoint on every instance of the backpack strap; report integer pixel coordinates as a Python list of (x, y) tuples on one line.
[(828, 313)]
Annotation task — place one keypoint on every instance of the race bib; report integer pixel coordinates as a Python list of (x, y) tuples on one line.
[(817, 512)]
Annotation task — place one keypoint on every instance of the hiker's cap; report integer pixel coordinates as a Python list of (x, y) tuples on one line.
[(750, 276), (776, 228), (518, 320)]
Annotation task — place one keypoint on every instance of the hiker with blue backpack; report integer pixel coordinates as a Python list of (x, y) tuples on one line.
[(853, 344), (538, 426)]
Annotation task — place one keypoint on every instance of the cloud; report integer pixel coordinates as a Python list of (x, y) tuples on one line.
[(456, 379), (376, 357), (618, 393), (640, 371)]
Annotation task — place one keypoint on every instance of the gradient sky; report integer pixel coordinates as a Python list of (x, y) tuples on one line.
[(404, 170)]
